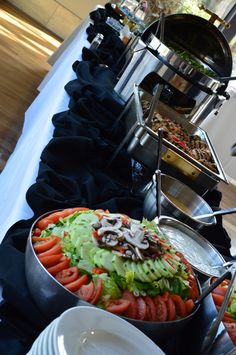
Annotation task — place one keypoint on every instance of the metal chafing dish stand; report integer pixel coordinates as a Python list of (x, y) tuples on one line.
[(142, 146), (192, 87)]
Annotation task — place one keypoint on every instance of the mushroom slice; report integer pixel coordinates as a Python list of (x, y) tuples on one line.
[(110, 230), (111, 222), (131, 238)]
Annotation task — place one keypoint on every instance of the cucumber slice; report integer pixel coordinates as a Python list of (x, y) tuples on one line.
[(153, 268), (165, 271), (97, 258), (106, 260), (148, 271), (160, 268), (119, 265), (172, 271)]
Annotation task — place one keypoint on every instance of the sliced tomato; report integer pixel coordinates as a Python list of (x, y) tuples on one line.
[(225, 282), (218, 299), (67, 275), (86, 291), (37, 232), (227, 314), (97, 292), (189, 305), (75, 285), (41, 245), (63, 264), (98, 270), (132, 310), (50, 260), (228, 319), (184, 261), (43, 223), (151, 313), (193, 291), (165, 296), (56, 249), (179, 305), (220, 290), (161, 309), (55, 216), (141, 308), (231, 328), (171, 310), (118, 306)]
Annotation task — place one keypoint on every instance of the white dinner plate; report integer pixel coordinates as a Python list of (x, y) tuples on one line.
[(92, 331)]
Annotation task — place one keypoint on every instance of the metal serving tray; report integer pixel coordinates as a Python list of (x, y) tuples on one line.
[(143, 145)]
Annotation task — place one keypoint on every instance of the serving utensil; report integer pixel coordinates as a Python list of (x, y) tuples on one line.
[(212, 286), (212, 332), (224, 265), (158, 175), (217, 213)]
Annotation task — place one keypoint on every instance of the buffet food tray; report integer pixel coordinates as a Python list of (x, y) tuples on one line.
[(144, 144)]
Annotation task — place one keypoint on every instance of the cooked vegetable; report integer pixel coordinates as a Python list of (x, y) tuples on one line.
[(229, 318), (117, 263)]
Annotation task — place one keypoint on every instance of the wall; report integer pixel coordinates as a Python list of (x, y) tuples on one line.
[(59, 16)]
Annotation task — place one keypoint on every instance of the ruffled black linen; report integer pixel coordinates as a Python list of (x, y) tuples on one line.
[(73, 172)]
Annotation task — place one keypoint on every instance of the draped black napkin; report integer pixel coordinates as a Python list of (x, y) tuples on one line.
[(74, 171)]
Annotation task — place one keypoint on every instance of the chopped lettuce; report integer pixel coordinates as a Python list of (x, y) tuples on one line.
[(232, 308), (110, 288)]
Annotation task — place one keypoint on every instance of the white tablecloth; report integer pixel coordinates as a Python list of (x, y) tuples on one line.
[(21, 169)]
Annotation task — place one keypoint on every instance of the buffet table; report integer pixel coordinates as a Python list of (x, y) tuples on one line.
[(68, 137)]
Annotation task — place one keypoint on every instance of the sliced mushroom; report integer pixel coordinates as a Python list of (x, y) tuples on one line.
[(131, 238), (110, 230), (138, 252), (111, 222), (111, 242), (96, 225)]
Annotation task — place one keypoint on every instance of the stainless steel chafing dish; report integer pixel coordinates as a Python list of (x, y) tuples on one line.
[(143, 146), (189, 60)]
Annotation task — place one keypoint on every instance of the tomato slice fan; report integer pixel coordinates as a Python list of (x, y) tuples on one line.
[(132, 310), (141, 308), (50, 260), (97, 292), (56, 249), (75, 285), (151, 313), (63, 264), (86, 291), (118, 306), (161, 309), (179, 305), (41, 245), (67, 275), (171, 310)]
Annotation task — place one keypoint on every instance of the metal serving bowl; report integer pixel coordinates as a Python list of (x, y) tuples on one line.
[(179, 201), (201, 254), (52, 298)]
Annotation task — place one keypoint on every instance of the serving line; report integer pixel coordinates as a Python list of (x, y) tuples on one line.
[(21, 169)]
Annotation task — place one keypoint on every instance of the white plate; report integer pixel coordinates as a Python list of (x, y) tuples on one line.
[(92, 331)]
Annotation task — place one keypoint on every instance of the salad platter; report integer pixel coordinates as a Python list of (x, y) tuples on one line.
[(108, 260)]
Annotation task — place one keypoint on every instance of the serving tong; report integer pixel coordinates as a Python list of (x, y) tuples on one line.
[(211, 335)]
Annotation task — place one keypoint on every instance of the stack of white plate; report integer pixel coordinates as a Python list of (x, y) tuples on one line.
[(92, 331)]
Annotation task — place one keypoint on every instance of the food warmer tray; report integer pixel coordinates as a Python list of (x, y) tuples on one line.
[(143, 145)]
